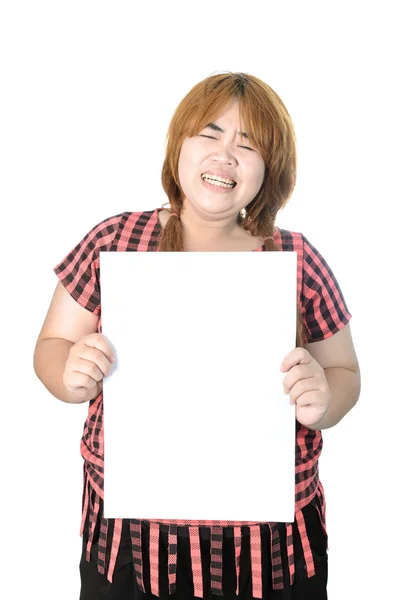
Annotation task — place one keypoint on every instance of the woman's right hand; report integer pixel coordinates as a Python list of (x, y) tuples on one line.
[(89, 360)]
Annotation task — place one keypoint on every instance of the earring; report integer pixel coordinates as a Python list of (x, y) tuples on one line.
[(243, 213)]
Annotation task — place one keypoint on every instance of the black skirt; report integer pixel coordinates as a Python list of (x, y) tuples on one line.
[(95, 586)]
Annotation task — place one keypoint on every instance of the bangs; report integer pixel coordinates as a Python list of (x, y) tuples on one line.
[(212, 99), (262, 116)]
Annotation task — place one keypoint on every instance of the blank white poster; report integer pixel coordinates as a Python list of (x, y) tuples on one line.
[(196, 424)]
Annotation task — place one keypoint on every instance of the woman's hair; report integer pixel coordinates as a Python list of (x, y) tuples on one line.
[(270, 130)]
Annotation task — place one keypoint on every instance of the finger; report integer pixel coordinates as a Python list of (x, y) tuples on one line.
[(78, 380), (296, 356), (88, 367), (81, 393), (312, 398), (97, 357), (304, 386), (100, 342), (297, 373)]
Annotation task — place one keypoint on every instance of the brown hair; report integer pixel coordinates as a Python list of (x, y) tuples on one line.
[(270, 129)]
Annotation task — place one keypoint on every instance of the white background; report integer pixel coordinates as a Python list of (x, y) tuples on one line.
[(210, 295), (88, 90)]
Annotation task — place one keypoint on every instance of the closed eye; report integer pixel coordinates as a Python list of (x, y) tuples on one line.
[(214, 138)]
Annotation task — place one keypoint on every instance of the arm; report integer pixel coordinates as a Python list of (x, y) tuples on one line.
[(345, 386), (338, 358), (323, 379), (66, 322)]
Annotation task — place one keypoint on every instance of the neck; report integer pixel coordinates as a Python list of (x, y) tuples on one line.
[(209, 228)]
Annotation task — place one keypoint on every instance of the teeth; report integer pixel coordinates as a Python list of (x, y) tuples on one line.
[(216, 178), (219, 183)]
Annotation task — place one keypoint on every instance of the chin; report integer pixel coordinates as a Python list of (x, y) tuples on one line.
[(215, 207)]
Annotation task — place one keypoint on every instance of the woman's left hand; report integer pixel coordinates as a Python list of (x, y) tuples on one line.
[(307, 387)]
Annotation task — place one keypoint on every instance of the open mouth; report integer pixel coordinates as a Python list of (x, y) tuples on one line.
[(218, 183)]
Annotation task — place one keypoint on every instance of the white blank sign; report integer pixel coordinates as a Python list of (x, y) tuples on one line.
[(196, 424)]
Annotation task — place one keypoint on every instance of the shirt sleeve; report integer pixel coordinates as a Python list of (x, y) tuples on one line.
[(324, 308), (79, 271)]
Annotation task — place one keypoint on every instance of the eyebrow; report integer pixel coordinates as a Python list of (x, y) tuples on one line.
[(216, 128)]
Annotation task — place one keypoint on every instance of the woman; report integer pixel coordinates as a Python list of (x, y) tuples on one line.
[(230, 166)]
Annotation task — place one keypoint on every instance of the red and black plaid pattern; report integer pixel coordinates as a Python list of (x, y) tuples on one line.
[(255, 560), (136, 538), (172, 554), (324, 312), (101, 548), (290, 551), (237, 536), (195, 553), (276, 560), (216, 560)]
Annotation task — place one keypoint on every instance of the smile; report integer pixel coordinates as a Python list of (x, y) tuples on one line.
[(218, 186)]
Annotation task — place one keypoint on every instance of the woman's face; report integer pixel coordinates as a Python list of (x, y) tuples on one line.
[(220, 152)]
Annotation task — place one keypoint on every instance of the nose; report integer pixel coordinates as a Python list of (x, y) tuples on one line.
[(225, 151)]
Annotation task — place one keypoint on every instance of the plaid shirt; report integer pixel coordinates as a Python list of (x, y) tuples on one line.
[(324, 312)]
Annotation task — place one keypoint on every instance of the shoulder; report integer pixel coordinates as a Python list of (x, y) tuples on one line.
[(296, 240), (289, 240), (125, 225), (103, 232)]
